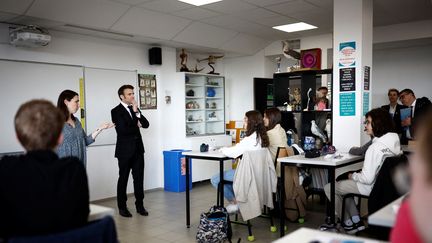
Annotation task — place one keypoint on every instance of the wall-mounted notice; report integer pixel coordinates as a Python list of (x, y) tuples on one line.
[(366, 78), (147, 91), (347, 54), (347, 104), (365, 102), (347, 79)]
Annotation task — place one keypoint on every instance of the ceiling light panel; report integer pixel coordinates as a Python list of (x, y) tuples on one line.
[(295, 27), (199, 2)]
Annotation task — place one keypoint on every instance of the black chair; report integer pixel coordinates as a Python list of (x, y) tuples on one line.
[(384, 190), (100, 231)]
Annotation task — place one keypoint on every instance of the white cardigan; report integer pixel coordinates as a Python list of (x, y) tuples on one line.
[(254, 182), (247, 143)]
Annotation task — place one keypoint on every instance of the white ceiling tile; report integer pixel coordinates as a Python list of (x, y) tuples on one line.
[(275, 21), (229, 6), (196, 13), (292, 7), (222, 21), (326, 4), (245, 44), (165, 6), (255, 14), (319, 18), (27, 20), (264, 3), (7, 16), (15, 6), (204, 35), (131, 2), (150, 24), (95, 13)]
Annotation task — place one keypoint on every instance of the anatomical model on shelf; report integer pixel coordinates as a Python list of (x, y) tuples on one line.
[(289, 53), (183, 61), (211, 61)]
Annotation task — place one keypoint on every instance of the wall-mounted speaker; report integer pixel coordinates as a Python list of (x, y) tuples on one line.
[(155, 56), (311, 58)]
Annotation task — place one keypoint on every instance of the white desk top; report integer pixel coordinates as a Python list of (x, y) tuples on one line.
[(306, 235), (386, 216), (322, 160), (98, 212), (210, 154), (408, 148)]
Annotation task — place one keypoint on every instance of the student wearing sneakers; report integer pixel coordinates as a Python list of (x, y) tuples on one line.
[(256, 138), (385, 143)]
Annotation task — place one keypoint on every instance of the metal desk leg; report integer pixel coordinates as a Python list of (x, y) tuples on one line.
[(188, 159), (332, 195), (221, 175), (281, 201)]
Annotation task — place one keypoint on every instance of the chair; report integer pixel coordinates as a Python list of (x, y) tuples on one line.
[(384, 190), (100, 231), (291, 184)]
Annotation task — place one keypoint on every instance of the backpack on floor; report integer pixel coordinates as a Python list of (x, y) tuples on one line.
[(295, 195), (214, 226)]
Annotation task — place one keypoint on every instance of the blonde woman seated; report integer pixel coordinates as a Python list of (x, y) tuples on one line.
[(256, 138), (276, 134)]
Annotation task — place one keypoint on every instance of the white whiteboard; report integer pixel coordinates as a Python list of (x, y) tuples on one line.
[(23, 81), (101, 86)]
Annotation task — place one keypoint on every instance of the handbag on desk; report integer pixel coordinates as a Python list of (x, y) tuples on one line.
[(313, 153)]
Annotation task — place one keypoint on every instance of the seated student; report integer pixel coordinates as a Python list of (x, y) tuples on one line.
[(385, 142), (413, 218), (276, 134), (256, 138), (40, 193)]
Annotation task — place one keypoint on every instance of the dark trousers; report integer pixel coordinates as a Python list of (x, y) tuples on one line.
[(136, 164)]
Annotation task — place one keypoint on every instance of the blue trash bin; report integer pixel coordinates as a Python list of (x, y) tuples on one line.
[(175, 171)]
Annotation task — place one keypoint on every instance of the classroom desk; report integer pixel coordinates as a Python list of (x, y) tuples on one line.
[(386, 216), (212, 155), (98, 212), (306, 235), (331, 164)]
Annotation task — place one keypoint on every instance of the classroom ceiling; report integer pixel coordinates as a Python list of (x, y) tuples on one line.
[(240, 27)]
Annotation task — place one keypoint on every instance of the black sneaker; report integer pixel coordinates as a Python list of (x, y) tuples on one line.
[(351, 229), (360, 226)]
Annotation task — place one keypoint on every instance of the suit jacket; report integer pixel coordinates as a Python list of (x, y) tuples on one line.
[(129, 138), (42, 194), (396, 117), (421, 107)]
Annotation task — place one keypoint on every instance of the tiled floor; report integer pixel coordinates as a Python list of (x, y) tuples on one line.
[(166, 221)]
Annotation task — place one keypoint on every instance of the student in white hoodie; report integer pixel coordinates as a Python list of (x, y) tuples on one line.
[(276, 134), (385, 143), (256, 138)]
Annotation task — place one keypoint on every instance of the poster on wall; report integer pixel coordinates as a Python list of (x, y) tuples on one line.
[(366, 77), (365, 102), (347, 54), (347, 104), (147, 91), (347, 79)]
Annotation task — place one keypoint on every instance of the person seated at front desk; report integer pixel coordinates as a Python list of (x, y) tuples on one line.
[(256, 138), (385, 142), (413, 218), (40, 193)]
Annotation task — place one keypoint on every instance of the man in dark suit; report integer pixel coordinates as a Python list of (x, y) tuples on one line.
[(394, 109), (129, 149), (40, 193), (418, 108)]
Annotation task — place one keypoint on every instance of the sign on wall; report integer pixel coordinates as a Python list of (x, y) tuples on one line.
[(347, 104), (366, 78), (366, 102), (347, 54), (347, 79)]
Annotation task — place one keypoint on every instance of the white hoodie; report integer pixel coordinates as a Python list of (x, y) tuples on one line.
[(247, 143), (385, 146)]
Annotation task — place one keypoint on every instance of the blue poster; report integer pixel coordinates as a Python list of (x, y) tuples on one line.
[(365, 102), (347, 104)]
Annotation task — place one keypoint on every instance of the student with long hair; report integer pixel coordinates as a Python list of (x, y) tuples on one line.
[(276, 134), (256, 138), (75, 140)]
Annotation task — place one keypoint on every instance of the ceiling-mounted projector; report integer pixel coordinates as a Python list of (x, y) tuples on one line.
[(29, 36)]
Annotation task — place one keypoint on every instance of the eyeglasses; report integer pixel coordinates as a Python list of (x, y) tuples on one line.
[(367, 122)]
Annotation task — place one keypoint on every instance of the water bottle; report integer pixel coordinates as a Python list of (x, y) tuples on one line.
[(289, 138)]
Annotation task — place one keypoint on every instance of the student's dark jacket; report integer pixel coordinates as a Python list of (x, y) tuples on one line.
[(41, 194), (396, 117)]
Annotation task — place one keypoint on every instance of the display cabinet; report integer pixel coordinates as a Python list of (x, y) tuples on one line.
[(204, 104), (295, 94)]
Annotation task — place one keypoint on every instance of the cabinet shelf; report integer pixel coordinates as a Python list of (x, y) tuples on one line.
[(197, 120)]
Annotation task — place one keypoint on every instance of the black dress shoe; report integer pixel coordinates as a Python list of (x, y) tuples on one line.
[(125, 213), (142, 211)]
